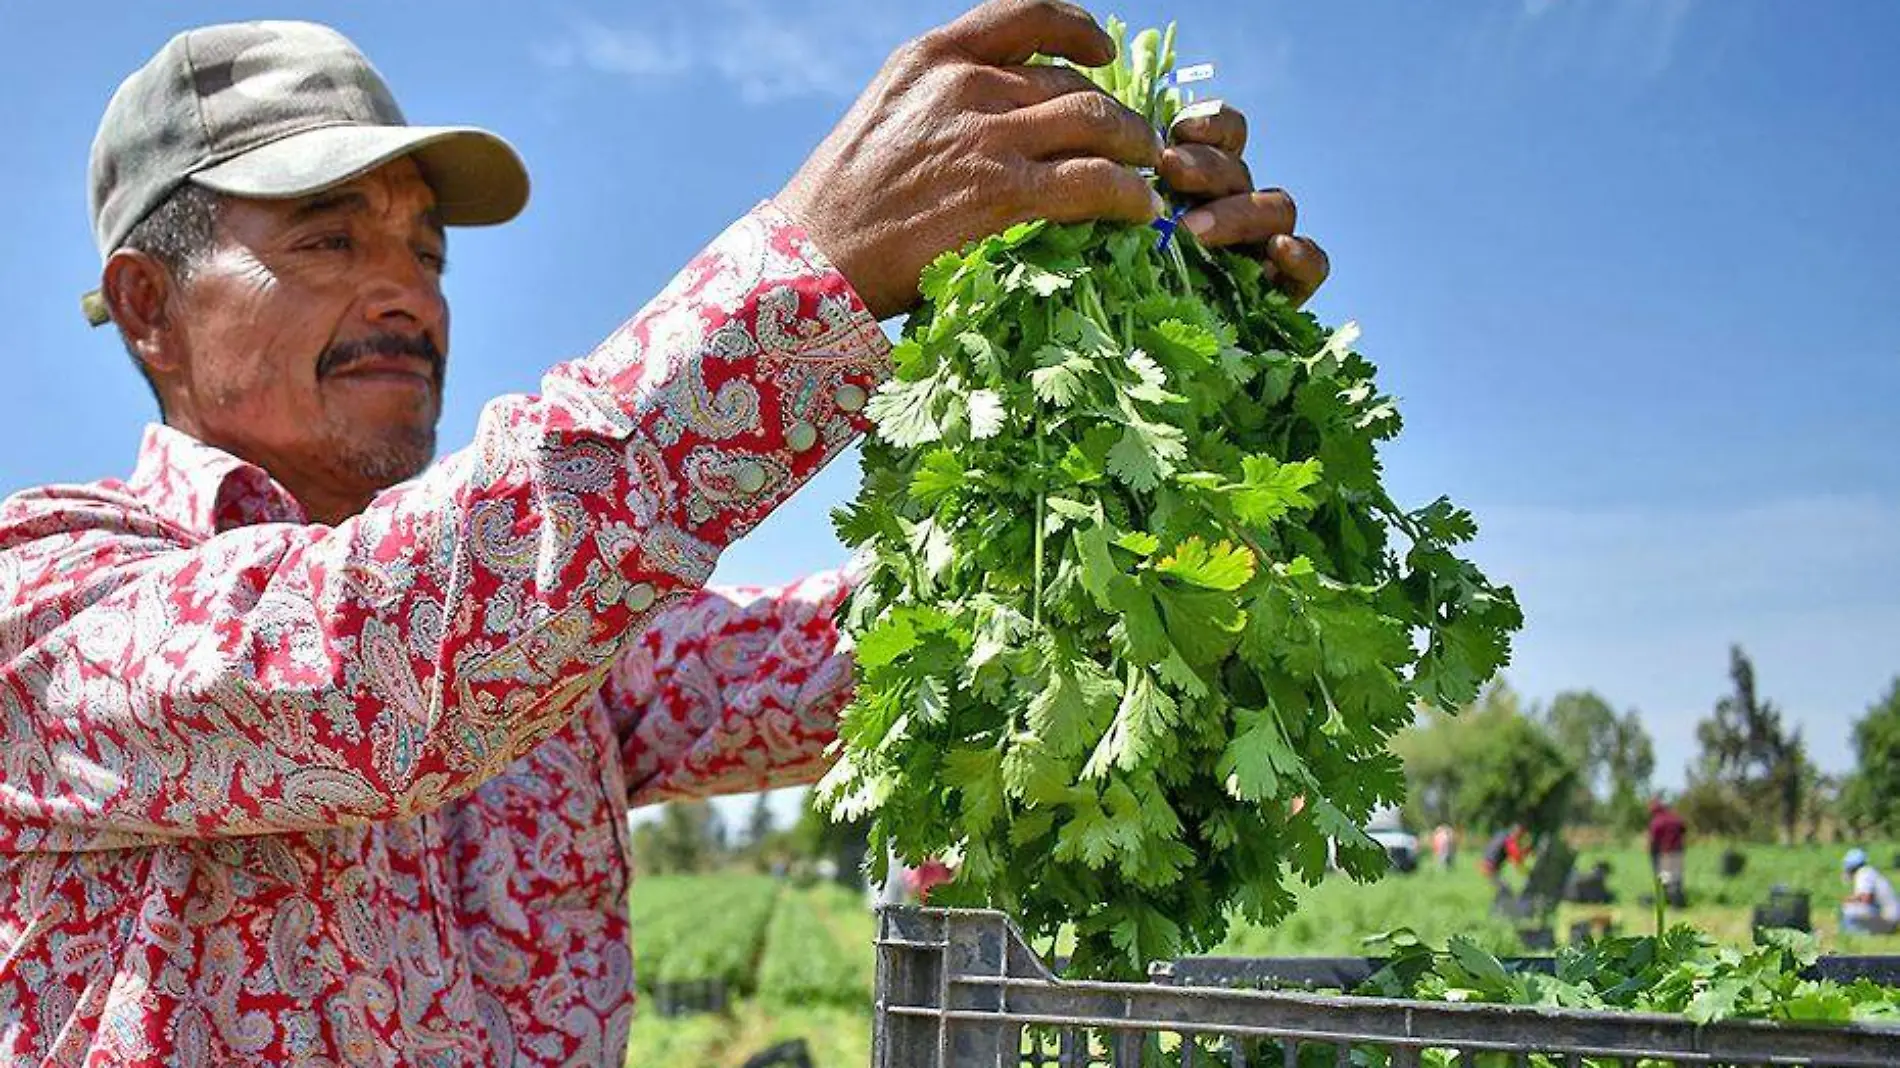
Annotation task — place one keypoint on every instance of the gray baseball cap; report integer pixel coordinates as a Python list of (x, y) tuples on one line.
[(277, 110)]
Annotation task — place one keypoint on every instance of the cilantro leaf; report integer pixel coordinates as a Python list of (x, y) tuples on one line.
[(986, 413), (1075, 698), (1140, 729), (1222, 566), (939, 476), (1146, 454), (1060, 377), (1254, 764), (906, 413), (1271, 490)]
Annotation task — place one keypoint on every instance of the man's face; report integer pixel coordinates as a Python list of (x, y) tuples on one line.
[(317, 334)]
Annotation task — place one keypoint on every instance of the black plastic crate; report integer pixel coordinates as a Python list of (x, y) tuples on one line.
[(961, 989)]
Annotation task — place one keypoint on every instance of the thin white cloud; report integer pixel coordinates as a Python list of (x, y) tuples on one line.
[(632, 53), (763, 52), (1635, 40), (771, 60)]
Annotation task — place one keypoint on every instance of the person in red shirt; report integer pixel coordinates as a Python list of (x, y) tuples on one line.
[(1506, 846), (928, 876), (315, 752), (1667, 836)]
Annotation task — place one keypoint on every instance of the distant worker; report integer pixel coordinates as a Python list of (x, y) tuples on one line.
[(1444, 846), (1504, 847), (905, 885), (1667, 833), (1871, 907), (926, 877)]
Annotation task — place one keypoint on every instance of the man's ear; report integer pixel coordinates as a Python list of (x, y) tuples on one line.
[(138, 290)]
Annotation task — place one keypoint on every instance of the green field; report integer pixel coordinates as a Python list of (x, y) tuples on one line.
[(1333, 918), (798, 959), (801, 959)]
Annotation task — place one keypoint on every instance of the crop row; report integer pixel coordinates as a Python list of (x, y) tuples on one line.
[(806, 960), (702, 929)]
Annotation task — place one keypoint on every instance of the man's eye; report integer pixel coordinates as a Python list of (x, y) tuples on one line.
[(332, 243), (435, 261)]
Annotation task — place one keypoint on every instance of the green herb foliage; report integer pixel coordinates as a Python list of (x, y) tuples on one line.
[(1139, 618), (1680, 972)]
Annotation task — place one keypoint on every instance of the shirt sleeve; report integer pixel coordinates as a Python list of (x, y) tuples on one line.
[(160, 683), (733, 690)]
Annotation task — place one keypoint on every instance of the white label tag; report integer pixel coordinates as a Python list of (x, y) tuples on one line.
[(1200, 109), (1199, 72)]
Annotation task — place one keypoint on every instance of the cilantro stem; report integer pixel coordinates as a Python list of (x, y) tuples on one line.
[(1179, 261), (1093, 308), (1042, 488), (1246, 538), (1042, 505)]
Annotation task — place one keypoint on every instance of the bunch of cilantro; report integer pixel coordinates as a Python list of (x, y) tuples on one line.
[(1138, 618)]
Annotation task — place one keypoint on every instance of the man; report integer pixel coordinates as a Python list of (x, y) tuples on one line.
[(1667, 835), (1444, 846), (1871, 906), (309, 755)]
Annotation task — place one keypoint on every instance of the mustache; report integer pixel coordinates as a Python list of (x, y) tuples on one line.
[(344, 353)]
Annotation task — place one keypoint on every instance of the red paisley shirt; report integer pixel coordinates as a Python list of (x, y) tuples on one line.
[(273, 792)]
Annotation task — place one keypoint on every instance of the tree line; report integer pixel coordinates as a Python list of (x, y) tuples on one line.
[(690, 837), (1577, 761)]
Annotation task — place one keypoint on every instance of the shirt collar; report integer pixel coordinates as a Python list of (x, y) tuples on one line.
[(206, 489)]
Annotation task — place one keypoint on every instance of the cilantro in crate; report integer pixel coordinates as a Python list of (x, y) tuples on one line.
[(1140, 618), (1678, 971)]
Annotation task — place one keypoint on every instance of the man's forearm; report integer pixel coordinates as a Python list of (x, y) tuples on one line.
[(733, 690)]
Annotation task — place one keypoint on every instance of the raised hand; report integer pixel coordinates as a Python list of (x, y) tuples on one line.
[(958, 137)]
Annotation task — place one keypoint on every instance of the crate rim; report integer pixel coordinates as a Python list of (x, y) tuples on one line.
[(1450, 1009)]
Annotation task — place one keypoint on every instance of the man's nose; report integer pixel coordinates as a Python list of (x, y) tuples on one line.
[(403, 292)]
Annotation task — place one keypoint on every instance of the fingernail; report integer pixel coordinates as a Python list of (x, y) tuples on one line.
[(1199, 222), (1160, 206)]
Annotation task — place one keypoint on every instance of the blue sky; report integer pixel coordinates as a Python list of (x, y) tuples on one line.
[(1630, 266)]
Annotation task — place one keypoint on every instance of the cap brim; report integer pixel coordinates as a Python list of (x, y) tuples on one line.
[(478, 178)]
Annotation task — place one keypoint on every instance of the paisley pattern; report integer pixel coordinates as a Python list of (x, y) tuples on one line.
[(273, 792)]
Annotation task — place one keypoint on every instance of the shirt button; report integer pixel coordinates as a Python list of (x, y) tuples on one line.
[(801, 436), (640, 597), (850, 398), (750, 477)]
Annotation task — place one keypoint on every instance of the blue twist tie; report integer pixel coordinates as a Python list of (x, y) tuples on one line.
[(1166, 227)]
